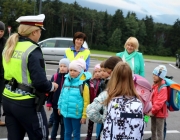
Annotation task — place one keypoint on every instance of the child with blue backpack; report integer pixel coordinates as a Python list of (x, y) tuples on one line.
[(159, 111), (53, 98), (73, 99)]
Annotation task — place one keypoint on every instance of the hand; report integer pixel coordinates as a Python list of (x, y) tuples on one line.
[(59, 112), (83, 121), (48, 108), (55, 86), (150, 114)]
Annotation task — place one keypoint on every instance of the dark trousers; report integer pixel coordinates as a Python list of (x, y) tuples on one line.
[(21, 117), (58, 120), (1, 92), (90, 129), (51, 119)]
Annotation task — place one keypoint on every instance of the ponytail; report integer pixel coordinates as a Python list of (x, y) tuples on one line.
[(10, 46)]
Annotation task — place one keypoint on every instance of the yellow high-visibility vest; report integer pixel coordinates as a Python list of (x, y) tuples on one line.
[(17, 68), (82, 54)]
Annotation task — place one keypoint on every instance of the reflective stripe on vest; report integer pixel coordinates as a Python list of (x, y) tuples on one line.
[(17, 68), (24, 64), (82, 54)]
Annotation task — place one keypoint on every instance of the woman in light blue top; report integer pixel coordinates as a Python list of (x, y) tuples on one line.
[(132, 57)]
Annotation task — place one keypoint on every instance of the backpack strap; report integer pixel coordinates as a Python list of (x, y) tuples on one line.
[(81, 88), (131, 115), (55, 77), (164, 85)]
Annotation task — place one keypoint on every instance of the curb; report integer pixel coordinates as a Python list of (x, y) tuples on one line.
[(107, 56), (146, 60)]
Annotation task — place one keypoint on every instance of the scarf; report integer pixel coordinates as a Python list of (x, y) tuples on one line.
[(128, 58)]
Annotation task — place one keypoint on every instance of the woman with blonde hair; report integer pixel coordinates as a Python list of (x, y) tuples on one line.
[(24, 71), (124, 118), (132, 56)]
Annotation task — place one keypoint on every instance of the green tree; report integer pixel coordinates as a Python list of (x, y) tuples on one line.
[(115, 41), (175, 36), (131, 26), (149, 38)]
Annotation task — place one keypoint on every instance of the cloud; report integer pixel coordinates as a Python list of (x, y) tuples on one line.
[(153, 7), (129, 1), (123, 4), (163, 11)]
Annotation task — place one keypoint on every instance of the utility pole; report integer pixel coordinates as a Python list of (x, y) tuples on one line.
[(40, 6)]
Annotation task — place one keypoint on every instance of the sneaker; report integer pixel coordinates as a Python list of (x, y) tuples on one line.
[(2, 123), (50, 125)]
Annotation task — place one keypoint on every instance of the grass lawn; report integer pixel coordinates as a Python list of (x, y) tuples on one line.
[(152, 57)]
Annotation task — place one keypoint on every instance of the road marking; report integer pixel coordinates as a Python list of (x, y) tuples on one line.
[(52, 69), (168, 131), (172, 66), (94, 134)]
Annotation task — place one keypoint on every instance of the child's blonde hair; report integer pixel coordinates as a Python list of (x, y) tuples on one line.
[(133, 41), (121, 82)]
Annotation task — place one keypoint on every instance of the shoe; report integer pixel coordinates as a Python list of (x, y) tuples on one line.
[(2, 123), (50, 125), (87, 138)]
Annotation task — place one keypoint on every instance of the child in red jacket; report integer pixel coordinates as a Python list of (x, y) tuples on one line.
[(159, 110)]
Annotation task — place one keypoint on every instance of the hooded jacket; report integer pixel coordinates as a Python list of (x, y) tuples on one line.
[(159, 98), (71, 103)]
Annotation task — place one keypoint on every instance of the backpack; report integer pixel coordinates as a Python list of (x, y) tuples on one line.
[(124, 119), (144, 90), (92, 89), (173, 101)]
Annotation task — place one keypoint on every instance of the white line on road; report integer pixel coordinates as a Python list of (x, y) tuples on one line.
[(168, 131), (94, 134), (52, 69), (172, 66)]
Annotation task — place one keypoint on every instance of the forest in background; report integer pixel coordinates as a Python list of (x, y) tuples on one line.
[(104, 31)]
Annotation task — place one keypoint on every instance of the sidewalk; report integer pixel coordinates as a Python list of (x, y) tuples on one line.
[(146, 60)]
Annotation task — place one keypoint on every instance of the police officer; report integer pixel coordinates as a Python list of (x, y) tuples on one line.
[(24, 71)]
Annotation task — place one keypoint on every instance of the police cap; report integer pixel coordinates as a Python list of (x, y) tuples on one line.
[(32, 20)]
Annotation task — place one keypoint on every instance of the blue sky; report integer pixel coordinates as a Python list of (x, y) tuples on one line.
[(163, 11)]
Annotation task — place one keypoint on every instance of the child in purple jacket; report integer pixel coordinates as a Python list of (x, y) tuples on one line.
[(53, 99)]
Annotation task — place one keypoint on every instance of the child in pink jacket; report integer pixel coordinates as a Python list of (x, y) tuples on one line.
[(159, 110)]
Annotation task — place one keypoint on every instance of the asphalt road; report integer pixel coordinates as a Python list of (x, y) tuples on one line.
[(173, 122)]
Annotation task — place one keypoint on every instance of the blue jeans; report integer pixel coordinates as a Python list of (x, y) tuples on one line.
[(58, 120), (72, 126), (51, 119), (98, 129)]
